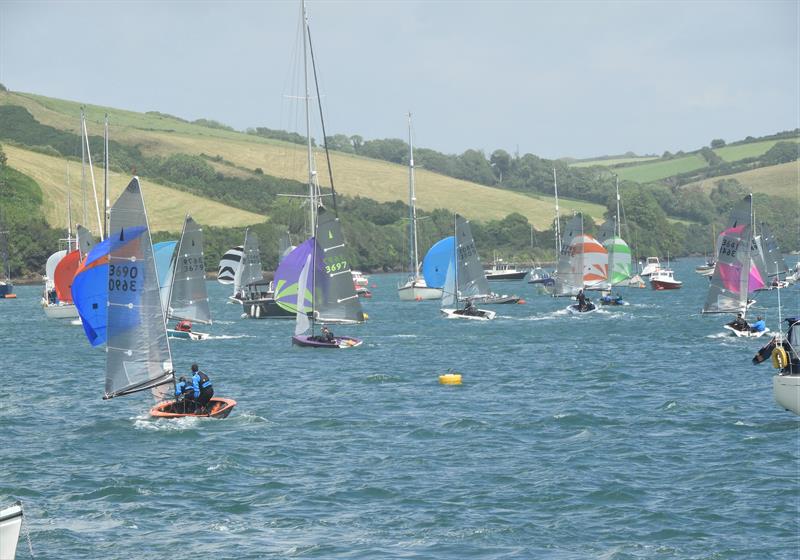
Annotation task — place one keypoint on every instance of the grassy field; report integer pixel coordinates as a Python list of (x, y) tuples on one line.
[(166, 207), (611, 162), (648, 172), (776, 180), (353, 175), (742, 151)]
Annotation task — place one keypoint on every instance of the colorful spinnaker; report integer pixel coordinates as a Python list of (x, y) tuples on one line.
[(436, 262)]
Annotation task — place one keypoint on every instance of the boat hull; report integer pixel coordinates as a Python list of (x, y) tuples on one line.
[(786, 389), (263, 308), (482, 314), (219, 408), (665, 285), (414, 292), (6, 289), (10, 524), (187, 335), (745, 334), (338, 342), (497, 276), (574, 309), (496, 300), (60, 311)]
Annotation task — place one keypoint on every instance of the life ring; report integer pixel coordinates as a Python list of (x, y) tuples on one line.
[(780, 359)]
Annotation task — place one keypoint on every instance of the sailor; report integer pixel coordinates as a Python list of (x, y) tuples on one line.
[(470, 308), (581, 300), (185, 394), (203, 388), (759, 325), (739, 323)]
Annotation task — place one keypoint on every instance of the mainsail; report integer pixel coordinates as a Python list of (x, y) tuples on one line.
[(470, 277), (569, 271), (138, 355), (335, 299), (773, 258), (188, 296), (734, 275), (229, 264), (85, 240), (436, 262), (250, 270)]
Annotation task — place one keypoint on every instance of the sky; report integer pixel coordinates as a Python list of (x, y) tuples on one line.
[(556, 79)]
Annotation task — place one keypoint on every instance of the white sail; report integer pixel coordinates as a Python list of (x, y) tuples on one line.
[(50, 267), (188, 296), (250, 270), (470, 279), (449, 298), (138, 355), (569, 272)]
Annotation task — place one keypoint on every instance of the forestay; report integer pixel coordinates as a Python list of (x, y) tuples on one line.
[(188, 296), (138, 354)]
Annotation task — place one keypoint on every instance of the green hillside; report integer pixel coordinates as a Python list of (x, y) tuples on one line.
[(657, 170), (159, 135)]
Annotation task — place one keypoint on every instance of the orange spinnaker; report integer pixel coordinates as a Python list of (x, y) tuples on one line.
[(65, 272)]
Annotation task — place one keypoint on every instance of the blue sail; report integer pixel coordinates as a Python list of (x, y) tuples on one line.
[(164, 253), (90, 286), (435, 263)]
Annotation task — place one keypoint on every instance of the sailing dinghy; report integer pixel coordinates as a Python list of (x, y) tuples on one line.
[(324, 286), (465, 279), (736, 274), (572, 274), (138, 356), (187, 300)]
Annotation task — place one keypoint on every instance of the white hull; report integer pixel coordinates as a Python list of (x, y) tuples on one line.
[(487, 315), (192, 335), (413, 292), (10, 523), (786, 389), (60, 311), (745, 334), (573, 310)]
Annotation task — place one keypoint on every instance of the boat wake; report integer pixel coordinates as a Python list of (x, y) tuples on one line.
[(146, 422), (720, 335), (229, 336)]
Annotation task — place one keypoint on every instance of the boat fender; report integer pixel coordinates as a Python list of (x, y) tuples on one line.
[(258, 311), (521, 302), (780, 359)]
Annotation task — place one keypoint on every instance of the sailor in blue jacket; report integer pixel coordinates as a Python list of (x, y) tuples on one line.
[(186, 394), (758, 326), (203, 388)]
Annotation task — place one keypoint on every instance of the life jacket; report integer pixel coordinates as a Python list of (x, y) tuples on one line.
[(203, 382), (184, 388)]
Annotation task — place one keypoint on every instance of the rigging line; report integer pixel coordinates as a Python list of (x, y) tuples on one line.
[(322, 120)]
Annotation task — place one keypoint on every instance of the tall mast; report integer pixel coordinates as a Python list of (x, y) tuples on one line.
[(455, 255), (94, 185), (558, 220), (312, 202), (83, 168), (619, 219), (412, 198), (105, 177), (69, 215)]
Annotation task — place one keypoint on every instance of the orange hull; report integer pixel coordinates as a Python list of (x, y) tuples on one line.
[(220, 408)]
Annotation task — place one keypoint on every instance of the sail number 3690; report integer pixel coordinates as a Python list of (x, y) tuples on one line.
[(122, 278)]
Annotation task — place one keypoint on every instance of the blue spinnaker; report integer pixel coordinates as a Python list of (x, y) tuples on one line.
[(90, 286), (163, 253), (435, 263)]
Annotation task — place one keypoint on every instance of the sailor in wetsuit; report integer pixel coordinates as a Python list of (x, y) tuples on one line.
[(470, 308), (185, 395), (739, 323), (581, 301), (203, 388), (327, 334)]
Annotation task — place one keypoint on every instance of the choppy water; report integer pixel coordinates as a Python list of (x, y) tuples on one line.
[(639, 432)]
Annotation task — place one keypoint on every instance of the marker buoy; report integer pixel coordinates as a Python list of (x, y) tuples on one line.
[(10, 296), (521, 302), (450, 379)]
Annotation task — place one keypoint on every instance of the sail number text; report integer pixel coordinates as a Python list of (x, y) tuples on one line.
[(332, 265), (122, 278), (192, 264)]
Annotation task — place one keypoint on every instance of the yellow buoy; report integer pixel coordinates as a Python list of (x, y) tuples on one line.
[(450, 379)]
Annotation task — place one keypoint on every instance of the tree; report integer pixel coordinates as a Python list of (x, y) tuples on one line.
[(717, 143), (782, 152), (3, 158), (501, 162)]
